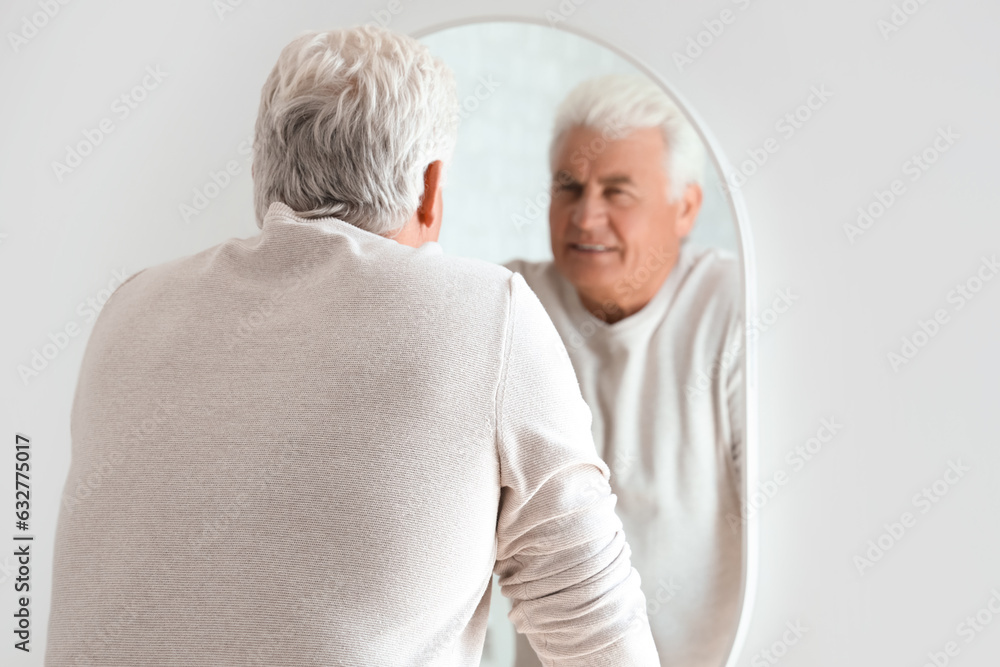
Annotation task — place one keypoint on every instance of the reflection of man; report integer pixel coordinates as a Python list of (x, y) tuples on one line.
[(653, 328), (318, 444)]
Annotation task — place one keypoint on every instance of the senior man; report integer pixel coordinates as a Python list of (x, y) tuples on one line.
[(316, 445), (653, 328)]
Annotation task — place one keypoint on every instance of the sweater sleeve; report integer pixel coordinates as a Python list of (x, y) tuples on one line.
[(562, 556)]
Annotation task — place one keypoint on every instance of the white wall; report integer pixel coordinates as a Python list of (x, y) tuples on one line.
[(826, 357)]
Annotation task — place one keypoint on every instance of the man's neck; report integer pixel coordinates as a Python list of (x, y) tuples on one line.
[(615, 309), (609, 311), (612, 306)]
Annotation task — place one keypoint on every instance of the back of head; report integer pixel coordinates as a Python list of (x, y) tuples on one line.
[(348, 122), (617, 103)]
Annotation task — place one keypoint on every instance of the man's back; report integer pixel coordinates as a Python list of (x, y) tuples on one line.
[(315, 446)]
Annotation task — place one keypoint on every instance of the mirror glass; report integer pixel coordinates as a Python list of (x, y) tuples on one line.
[(655, 331)]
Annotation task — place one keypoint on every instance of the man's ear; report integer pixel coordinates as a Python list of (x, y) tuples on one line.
[(432, 193), (689, 207)]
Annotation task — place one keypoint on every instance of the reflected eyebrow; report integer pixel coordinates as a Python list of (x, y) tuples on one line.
[(563, 177), (617, 179)]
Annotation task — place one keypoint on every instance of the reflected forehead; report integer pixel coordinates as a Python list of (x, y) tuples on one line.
[(612, 158)]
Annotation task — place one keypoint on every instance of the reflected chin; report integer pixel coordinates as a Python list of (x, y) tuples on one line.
[(590, 273)]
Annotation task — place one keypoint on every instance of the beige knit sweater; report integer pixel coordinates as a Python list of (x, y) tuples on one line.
[(315, 446), (665, 388)]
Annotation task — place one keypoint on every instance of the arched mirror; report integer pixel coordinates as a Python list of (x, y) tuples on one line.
[(577, 170)]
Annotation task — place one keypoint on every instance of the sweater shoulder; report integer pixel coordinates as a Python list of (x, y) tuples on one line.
[(541, 277), (534, 272), (484, 283), (393, 281), (715, 280)]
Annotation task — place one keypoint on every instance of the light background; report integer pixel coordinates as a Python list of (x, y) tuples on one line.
[(501, 168), (826, 357)]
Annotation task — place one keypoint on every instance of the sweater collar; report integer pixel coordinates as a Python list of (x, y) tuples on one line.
[(279, 212)]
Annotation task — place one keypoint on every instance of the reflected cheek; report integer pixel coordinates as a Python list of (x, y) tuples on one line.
[(558, 224)]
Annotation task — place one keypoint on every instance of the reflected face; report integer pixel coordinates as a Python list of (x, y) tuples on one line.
[(614, 231)]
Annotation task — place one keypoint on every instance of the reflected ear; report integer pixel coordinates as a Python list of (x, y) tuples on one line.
[(689, 207), (432, 193)]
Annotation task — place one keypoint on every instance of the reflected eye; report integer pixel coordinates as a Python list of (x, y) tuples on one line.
[(566, 188)]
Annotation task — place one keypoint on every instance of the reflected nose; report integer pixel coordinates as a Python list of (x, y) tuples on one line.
[(588, 214)]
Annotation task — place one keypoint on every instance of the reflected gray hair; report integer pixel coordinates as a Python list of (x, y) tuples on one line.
[(617, 103), (348, 122)]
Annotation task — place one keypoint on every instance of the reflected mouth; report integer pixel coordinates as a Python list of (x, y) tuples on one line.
[(591, 247)]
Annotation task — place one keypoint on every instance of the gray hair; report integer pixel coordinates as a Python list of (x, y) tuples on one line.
[(617, 103), (348, 122)]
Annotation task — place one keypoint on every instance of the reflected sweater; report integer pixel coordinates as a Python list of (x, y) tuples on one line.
[(665, 387), (315, 446)]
